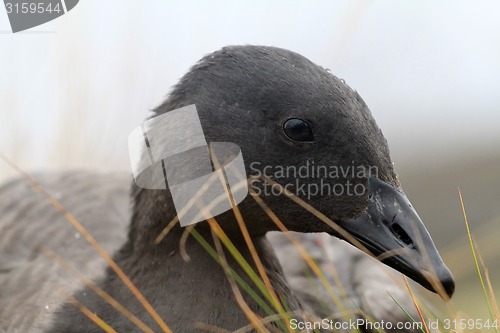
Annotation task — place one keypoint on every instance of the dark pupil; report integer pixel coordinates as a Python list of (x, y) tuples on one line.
[(298, 130)]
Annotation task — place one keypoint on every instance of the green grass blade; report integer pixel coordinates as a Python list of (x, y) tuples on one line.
[(476, 262)]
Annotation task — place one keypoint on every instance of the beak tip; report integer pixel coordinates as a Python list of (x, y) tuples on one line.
[(448, 284), (444, 284)]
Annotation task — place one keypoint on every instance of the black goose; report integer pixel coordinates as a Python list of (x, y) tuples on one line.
[(281, 110)]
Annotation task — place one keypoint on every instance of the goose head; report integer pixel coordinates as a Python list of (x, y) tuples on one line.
[(306, 130)]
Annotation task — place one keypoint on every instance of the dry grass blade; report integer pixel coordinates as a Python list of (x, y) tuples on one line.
[(183, 241), (241, 282), (416, 305), (191, 231), (298, 246), (473, 250), (322, 217), (492, 294), (81, 229), (252, 317), (266, 320), (248, 240), (104, 295), (167, 229), (347, 236), (92, 316), (189, 205), (334, 274), (408, 315), (488, 282)]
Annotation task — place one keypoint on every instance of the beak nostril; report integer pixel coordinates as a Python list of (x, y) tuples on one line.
[(402, 235)]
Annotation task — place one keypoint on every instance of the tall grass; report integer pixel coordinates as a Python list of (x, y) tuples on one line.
[(278, 313)]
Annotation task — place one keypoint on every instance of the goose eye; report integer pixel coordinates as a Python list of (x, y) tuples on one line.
[(298, 130)]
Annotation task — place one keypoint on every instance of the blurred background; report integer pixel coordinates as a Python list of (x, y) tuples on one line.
[(72, 90)]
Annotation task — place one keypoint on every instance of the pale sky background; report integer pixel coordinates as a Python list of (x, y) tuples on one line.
[(71, 90)]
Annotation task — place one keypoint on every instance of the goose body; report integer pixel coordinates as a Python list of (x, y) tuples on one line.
[(32, 284), (106, 216), (280, 109)]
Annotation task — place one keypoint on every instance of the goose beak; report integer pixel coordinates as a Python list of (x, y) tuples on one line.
[(391, 230)]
